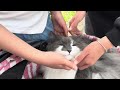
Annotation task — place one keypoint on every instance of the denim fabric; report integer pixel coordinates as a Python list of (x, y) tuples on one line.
[(38, 37)]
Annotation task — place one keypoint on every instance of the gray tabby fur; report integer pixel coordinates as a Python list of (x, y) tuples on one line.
[(108, 66)]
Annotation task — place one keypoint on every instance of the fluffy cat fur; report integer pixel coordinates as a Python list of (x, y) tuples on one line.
[(107, 67)]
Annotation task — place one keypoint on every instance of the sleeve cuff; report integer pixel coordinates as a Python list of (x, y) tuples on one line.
[(114, 36)]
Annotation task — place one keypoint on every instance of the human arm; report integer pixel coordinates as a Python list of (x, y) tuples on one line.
[(94, 51), (59, 23), (15, 45), (78, 17), (114, 34)]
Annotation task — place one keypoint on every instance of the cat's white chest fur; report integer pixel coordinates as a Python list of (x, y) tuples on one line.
[(50, 73)]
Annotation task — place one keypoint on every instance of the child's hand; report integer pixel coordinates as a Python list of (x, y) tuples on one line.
[(55, 60)]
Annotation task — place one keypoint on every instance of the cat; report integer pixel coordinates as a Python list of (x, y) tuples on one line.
[(107, 67)]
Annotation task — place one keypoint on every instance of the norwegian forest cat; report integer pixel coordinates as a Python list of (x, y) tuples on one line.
[(107, 67)]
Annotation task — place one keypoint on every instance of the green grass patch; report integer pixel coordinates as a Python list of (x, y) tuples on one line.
[(68, 15)]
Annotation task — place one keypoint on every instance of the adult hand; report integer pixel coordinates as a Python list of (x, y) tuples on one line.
[(92, 53), (59, 23), (55, 60), (74, 23)]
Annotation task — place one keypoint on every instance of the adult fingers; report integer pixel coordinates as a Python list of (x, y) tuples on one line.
[(84, 67), (73, 25), (87, 61), (72, 33), (80, 57), (65, 30), (70, 64), (71, 21)]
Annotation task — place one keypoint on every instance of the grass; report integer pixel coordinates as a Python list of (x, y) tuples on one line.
[(68, 15)]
